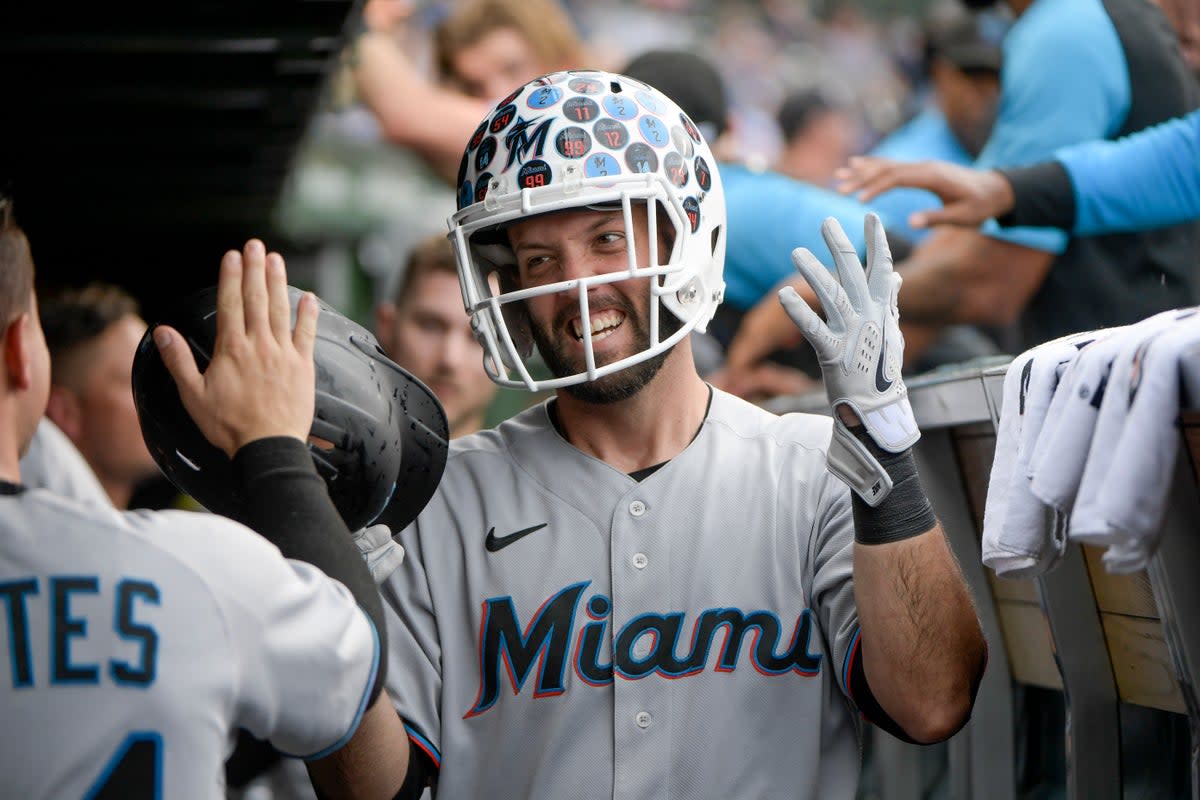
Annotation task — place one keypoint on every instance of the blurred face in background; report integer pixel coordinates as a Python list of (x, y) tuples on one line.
[(93, 403), (496, 64), (968, 100), (429, 334), (823, 144)]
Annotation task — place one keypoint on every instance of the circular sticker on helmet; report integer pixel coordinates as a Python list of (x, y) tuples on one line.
[(544, 97), (465, 195), (485, 154), (581, 109), (682, 143), (690, 127), (641, 158), (585, 85), (510, 98), (611, 133), (651, 103), (477, 136), (676, 169), (691, 207), (534, 174), (481, 186), (573, 142), (502, 118), (703, 174), (620, 107), (601, 164), (654, 132)]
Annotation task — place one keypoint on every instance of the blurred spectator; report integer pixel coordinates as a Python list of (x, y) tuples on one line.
[(502, 49), (92, 334), (962, 60), (1116, 69), (425, 329), (1148, 179), (818, 136), (486, 48)]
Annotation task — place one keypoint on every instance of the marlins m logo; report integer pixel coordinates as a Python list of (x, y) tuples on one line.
[(520, 139)]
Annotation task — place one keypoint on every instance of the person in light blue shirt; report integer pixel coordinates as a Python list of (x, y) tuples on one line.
[(963, 60), (1150, 179)]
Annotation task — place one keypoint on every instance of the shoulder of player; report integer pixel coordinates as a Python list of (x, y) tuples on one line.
[(749, 421)]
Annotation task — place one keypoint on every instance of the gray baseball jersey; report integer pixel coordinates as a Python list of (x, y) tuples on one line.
[(560, 629), (138, 643)]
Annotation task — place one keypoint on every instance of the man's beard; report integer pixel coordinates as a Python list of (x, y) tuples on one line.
[(619, 385)]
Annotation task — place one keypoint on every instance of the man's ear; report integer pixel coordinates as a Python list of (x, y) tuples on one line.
[(18, 357), (385, 318), (63, 409)]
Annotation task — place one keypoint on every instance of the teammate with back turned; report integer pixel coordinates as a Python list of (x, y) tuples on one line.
[(137, 643), (611, 587)]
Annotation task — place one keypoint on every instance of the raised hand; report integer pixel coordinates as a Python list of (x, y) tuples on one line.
[(261, 380), (861, 350), (969, 196)]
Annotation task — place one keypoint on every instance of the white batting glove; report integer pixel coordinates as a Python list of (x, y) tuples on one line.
[(861, 350), (381, 552)]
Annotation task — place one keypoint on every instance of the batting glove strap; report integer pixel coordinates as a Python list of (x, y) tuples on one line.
[(906, 513)]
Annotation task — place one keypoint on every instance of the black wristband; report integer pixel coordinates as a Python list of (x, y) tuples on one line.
[(905, 512), (1043, 196)]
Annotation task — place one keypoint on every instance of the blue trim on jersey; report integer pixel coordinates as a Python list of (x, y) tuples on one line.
[(426, 746), (362, 704), (1065, 80), (100, 784), (851, 654), (1147, 180), (770, 215), (925, 136)]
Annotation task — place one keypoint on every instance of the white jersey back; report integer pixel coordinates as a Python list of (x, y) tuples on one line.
[(138, 643), (559, 629)]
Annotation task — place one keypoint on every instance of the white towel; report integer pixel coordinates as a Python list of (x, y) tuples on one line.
[(1061, 453), (1134, 494), (1088, 524), (1017, 539)]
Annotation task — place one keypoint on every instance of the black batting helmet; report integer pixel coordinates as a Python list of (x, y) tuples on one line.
[(378, 434)]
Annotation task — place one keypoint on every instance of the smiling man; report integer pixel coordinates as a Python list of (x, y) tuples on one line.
[(612, 585)]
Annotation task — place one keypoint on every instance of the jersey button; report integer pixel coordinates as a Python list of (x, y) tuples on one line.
[(640, 561), (642, 718), (637, 508)]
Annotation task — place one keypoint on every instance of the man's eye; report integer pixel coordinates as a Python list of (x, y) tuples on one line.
[(610, 237)]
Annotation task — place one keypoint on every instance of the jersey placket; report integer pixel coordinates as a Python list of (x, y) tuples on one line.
[(640, 563)]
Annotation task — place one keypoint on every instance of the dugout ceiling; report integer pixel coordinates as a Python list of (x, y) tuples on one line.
[(142, 140)]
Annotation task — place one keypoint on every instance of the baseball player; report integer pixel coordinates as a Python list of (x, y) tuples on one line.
[(645, 587), (137, 643)]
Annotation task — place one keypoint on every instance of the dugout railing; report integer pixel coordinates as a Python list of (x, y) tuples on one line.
[(1120, 653)]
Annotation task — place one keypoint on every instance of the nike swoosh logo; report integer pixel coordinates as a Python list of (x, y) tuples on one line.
[(496, 543), (882, 385)]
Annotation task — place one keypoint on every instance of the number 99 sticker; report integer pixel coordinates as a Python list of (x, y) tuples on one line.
[(534, 174), (573, 142)]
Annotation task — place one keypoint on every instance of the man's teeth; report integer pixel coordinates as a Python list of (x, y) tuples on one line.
[(602, 324)]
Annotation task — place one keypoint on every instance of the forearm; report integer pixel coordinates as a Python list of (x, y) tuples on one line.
[(922, 648), (374, 763), (1146, 180), (963, 276), (412, 111), (766, 328)]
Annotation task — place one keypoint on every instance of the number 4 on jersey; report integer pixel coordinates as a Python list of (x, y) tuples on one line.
[(134, 772)]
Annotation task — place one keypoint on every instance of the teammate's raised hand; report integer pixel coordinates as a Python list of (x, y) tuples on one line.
[(969, 196), (261, 380)]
